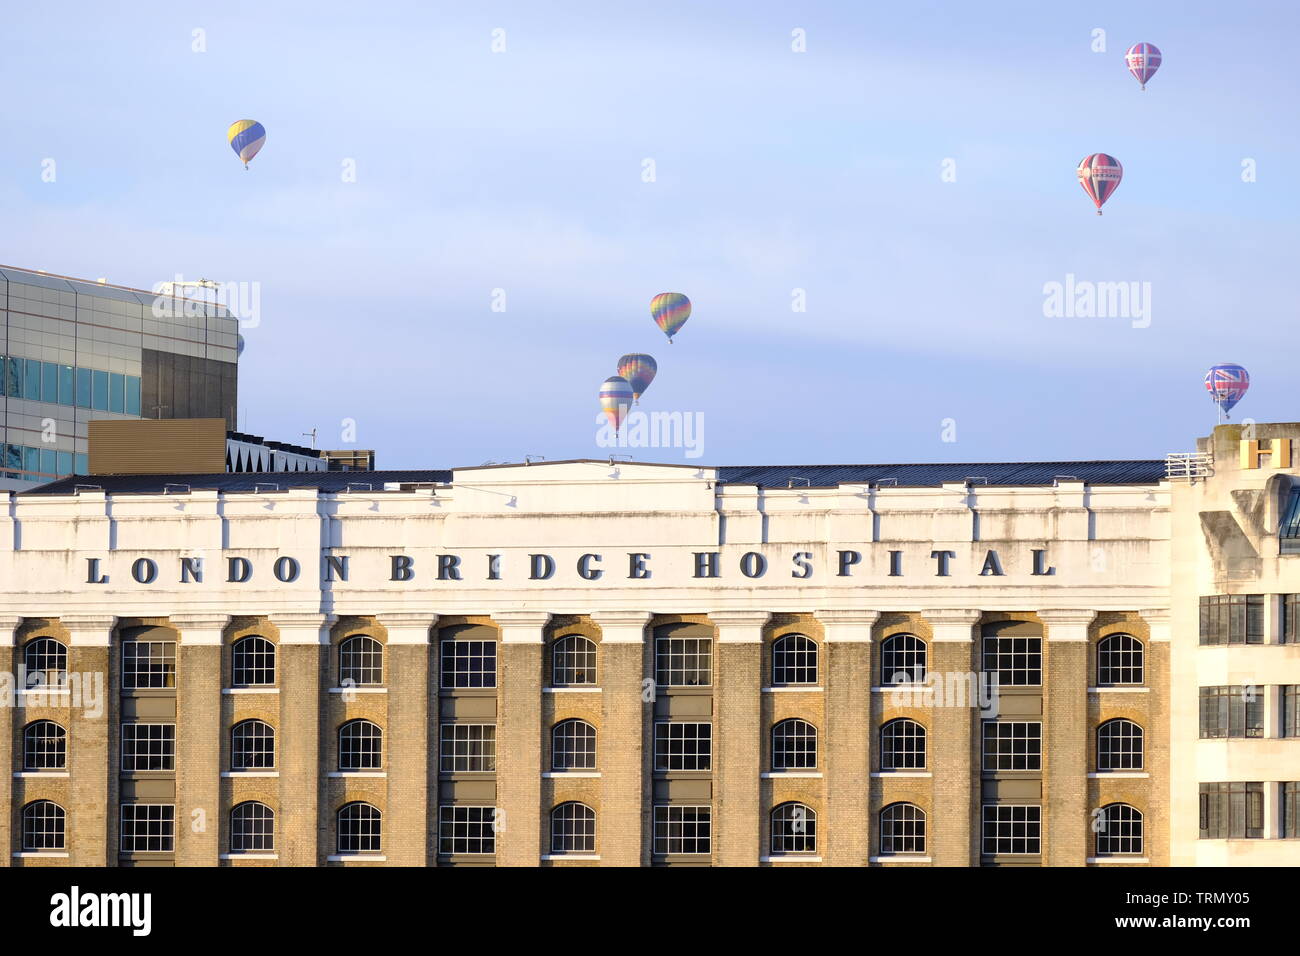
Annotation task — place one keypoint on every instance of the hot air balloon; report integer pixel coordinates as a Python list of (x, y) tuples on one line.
[(615, 397), (639, 370), (670, 311), (246, 138), (1099, 175), (1143, 60), (1227, 383)]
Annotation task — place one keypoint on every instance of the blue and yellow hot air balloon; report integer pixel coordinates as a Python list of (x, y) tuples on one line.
[(615, 397), (246, 138), (639, 369), (670, 311)]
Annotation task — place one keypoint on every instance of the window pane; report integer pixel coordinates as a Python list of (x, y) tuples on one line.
[(132, 395), (65, 385), (13, 377), (63, 462), (81, 464), (116, 392), (99, 398), (49, 382), (47, 461), (83, 388), (31, 459), (32, 379)]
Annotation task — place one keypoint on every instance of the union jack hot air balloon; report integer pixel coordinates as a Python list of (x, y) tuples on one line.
[(1143, 60), (639, 369), (1099, 175), (1227, 384), (615, 398)]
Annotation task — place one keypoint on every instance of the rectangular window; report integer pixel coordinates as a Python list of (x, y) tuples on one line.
[(683, 661), (148, 747), (31, 459), (67, 395), (1017, 661), (1290, 631), (1011, 829), (1232, 711), (81, 464), (148, 828), (148, 664), (682, 830), (116, 392), (32, 379), (99, 391), (49, 382), (63, 462), (468, 748), (1232, 811), (1290, 710), (13, 377), (466, 830), (132, 395), (83, 387), (469, 664), (1291, 810), (1013, 745), (683, 746), (47, 461), (1232, 619)]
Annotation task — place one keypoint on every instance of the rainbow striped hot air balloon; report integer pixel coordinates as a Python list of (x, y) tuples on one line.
[(615, 397), (1227, 383), (246, 138), (1099, 175), (1143, 60), (670, 311), (639, 369)]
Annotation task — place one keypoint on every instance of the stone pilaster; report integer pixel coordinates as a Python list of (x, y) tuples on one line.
[(412, 748), (302, 824), (1065, 737), (93, 814), (1157, 833), (848, 736), (738, 738), (953, 836), (622, 819), (8, 735), (519, 738), (198, 739)]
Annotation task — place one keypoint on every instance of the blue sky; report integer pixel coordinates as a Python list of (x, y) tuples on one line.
[(775, 170)]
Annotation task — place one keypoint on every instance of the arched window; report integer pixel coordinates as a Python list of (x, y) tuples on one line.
[(361, 746), (47, 658), (573, 829), (1119, 830), (44, 826), (361, 662), (1119, 660), (252, 662), (794, 829), (252, 828), (360, 825), (45, 746), (252, 745), (794, 661), (573, 662), (1119, 745), (902, 829), (794, 745), (573, 746), (902, 745), (902, 660)]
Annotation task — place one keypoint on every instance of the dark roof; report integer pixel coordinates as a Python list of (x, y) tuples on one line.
[(767, 476), (241, 481), (996, 473)]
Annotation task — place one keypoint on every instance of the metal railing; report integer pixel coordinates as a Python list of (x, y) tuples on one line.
[(1188, 465)]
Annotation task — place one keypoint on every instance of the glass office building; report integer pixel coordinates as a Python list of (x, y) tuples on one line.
[(75, 350)]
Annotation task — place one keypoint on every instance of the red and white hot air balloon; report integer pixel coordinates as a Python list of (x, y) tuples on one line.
[(1099, 175), (1143, 60)]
